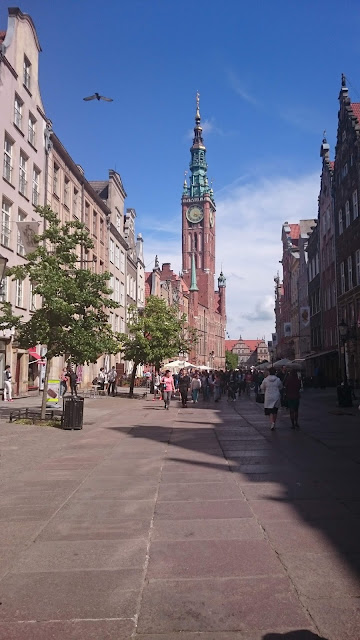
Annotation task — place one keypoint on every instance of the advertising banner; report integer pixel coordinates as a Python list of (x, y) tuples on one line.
[(287, 329), (304, 316), (53, 394), (27, 231), (274, 340)]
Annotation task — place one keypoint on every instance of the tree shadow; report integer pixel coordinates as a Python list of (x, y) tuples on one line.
[(311, 477), (301, 634)]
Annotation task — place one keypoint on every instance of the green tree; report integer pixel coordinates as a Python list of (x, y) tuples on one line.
[(72, 319), (231, 360), (155, 333)]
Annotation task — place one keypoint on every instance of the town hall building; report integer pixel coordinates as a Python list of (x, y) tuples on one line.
[(206, 306)]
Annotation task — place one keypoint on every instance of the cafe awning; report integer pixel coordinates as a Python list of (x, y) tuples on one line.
[(320, 354), (33, 353)]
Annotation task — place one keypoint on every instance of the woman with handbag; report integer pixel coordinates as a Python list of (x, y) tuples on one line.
[(167, 382), (271, 387)]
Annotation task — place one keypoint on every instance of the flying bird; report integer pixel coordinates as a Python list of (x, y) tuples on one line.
[(97, 96)]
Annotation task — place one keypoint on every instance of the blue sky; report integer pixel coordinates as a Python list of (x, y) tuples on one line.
[(268, 73)]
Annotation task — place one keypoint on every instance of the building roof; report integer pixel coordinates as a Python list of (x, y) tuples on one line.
[(294, 231), (356, 109), (251, 344), (148, 277)]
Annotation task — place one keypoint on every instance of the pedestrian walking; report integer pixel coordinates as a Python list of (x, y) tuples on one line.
[(195, 387), (184, 382), (101, 379), (217, 387), (72, 377), (63, 382), (168, 388), (292, 387), (112, 381), (271, 387), (157, 386), (8, 384)]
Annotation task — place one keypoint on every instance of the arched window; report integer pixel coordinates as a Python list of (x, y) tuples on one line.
[(199, 242), (195, 242), (190, 247)]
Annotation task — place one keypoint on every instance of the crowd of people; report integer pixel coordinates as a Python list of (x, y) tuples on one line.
[(271, 387)]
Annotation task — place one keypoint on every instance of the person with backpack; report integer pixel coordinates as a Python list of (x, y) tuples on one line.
[(8, 384), (271, 387)]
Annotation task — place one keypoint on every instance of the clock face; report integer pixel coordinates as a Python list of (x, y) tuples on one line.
[(211, 219), (195, 214)]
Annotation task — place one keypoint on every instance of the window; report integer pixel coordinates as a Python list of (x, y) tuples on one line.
[(347, 213), (111, 286), (122, 293), (5, 223), (18, 107), (117, 290), (66, 191), (27, 73), (118, 221), (32, 298), (75, 203), (357, 266), (4, 287), (116, 324), (122, 262), (94, 224), (345, 170), (117, 256), (350, 271), (23, 174), (19, 293), (342, 277), (340, 222), (111, 251), (56, 177), (355, 204), (20, 247), (122, 325), (87, 214), (101, 230), (32, 130), (36, 187), (7, 169), (111, 319)]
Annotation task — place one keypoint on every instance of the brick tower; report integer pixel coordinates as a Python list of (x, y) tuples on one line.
[(207, 307), (198, 219)]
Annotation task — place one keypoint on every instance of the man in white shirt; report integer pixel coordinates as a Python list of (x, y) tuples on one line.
[(7, 384)]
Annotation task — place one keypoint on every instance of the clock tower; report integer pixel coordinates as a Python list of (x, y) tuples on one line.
[(198, 219)]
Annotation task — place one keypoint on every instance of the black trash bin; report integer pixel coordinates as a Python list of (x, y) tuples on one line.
[(344, 395), (73, 412)]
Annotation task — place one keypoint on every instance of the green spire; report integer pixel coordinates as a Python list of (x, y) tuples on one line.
[(193, 285), (198, 179)]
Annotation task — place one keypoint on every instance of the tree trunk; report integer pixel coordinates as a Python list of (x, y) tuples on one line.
[(132, 380), (46, 382)]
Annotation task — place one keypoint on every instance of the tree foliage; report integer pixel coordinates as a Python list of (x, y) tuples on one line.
[(155, 333), (72, 318), (231, 360)]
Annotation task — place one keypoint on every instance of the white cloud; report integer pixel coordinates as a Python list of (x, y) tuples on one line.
[(248, 244), (237, 86)]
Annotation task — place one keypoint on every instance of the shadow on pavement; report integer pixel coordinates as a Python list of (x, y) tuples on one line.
[(301, 634)]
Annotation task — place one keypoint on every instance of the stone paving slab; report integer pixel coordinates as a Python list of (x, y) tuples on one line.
[(68, 630), (181, 524), (220, 605)]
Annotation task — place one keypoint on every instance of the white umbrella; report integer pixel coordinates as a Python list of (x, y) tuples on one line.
[(282, 363), (178, 364)]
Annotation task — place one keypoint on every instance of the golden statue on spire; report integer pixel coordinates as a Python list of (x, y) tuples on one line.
[(197, 105)]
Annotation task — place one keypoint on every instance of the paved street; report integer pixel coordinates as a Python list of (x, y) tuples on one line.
[(186, 524)]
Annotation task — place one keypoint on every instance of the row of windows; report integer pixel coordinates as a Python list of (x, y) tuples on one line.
[(350, 276), (7, 224), (21, 122), (345, 220), (27, 180), (116, 256), (118, 289), (116, 322), (20, 300), (313, 267)]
